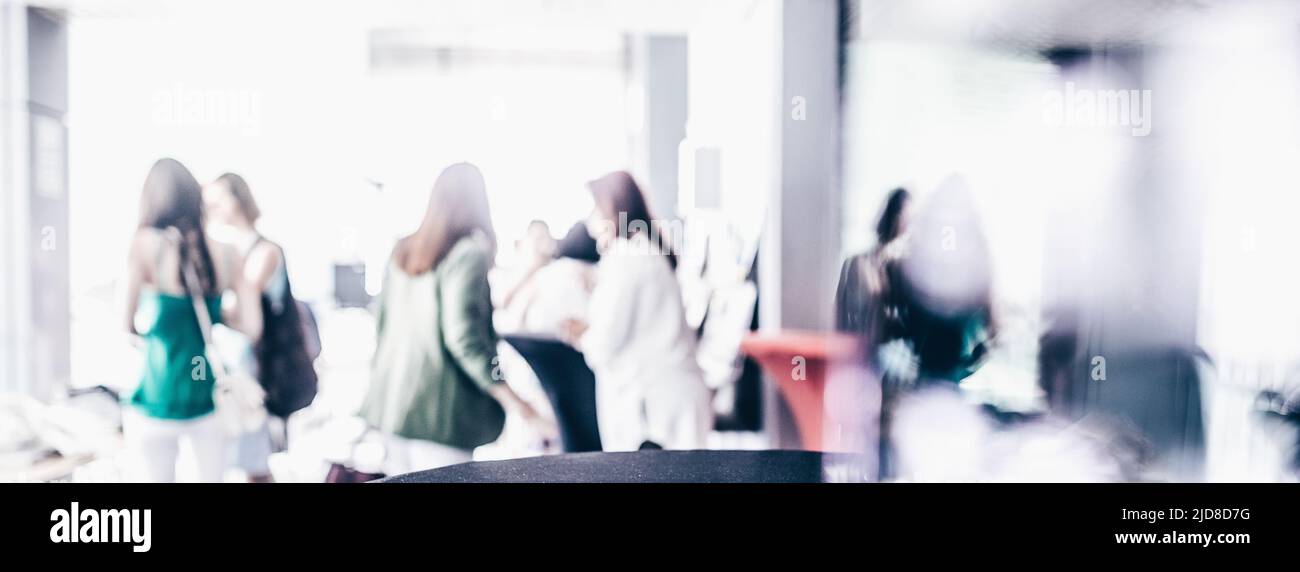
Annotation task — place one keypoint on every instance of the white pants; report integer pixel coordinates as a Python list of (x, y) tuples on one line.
[(154, 445), (404, 455), (673, 411)]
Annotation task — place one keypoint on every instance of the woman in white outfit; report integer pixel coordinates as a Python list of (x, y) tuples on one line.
[(649, 388)]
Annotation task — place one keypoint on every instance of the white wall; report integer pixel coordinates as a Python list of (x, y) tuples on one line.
[(15, 290), (805, 218), (33, 191), (733, 105), (778, 172), (307, 121)]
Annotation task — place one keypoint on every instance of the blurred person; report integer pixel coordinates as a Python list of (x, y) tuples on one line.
[(932, 430), (650, 392), (534, 251), (555, 292), (174, 399), (578, 244), (868, 307), (944, 287), (940, 291), (863, 298), (280, 360), (555, 283), (436, 391)]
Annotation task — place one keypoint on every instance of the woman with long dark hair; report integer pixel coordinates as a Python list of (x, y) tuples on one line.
[(174, 399), (649, 388), (436, 389), (863, 299), (280, 359)]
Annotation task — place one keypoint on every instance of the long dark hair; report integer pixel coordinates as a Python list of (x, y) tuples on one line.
[(618, 194), (890, 224), (458, 207), (172, 198)]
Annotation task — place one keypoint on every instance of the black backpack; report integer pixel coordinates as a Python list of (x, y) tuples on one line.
[(284, 361)]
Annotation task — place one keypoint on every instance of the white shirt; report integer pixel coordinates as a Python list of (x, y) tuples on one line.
[(559, 293), (648, 384)]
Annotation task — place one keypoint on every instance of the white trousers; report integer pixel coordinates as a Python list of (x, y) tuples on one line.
[(154, 445), (404, 455), (673, 411)]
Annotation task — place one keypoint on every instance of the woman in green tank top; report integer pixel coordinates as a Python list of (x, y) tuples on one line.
[(174, 384), (174, 398)]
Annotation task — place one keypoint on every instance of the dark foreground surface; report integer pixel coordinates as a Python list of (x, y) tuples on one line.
[(640, 467)]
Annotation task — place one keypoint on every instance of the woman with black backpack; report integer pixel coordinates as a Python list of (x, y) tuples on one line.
[(282, 358)]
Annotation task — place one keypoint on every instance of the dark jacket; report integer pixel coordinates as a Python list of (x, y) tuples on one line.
[(435, 357)]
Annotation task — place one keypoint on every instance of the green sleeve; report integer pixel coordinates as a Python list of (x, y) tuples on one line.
[(466, 313)]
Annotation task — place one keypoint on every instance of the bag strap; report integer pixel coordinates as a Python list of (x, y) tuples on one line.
[(190, 282)]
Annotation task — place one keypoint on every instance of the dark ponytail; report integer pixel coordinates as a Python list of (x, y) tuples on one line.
[(172, 198)]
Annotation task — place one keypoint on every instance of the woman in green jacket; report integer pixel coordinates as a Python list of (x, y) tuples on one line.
[(436, 389)]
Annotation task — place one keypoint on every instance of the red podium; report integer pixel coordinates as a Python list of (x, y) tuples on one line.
[(802, 383)]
